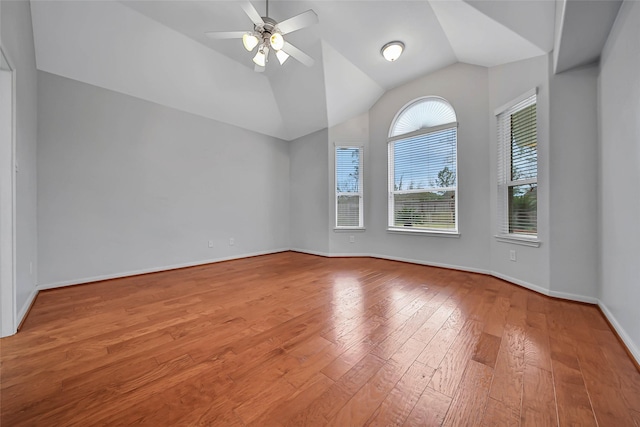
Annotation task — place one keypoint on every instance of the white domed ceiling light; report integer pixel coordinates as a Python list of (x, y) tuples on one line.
[(268, 35), (392, 50)]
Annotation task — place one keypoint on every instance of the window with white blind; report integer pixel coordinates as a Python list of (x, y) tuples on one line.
[(349, 206), (423, 184), (518, 169)]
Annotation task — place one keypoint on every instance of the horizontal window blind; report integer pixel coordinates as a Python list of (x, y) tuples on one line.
[(523, 206), (423, 181), (427, 210), (518, 169), (524, 144), (349, 187), (425, 161)]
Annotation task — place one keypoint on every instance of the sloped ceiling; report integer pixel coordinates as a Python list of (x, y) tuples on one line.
[(158, 51), (582, 28)]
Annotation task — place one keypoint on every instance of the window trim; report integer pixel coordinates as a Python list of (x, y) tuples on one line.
[(505, 182), (424, 131), (518, 239), (391, 161), (516, 101), (360, 193), (427, 232)]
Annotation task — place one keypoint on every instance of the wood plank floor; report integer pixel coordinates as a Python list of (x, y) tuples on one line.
[(298, 340)]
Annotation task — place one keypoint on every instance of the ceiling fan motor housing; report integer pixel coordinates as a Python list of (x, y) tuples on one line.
[(266, 29)]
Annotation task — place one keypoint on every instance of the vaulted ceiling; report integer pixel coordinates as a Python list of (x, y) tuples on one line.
[(158, 51)]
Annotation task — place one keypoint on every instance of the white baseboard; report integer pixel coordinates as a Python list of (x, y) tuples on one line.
[(524, 284), (573, 297), (25, 307), (626, 339), (431, 264), (351, 255), (633, 349), (310, 252), (73, 282), (390, 258)]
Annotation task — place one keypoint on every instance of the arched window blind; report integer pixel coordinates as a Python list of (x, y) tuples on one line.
[(422, 166), (423, 113)]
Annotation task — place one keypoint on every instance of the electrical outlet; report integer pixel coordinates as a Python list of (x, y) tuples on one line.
[(232, 241), (31, 268), (210, 243), (352, 239), (512, 255)]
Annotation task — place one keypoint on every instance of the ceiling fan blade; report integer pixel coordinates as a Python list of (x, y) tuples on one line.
[(297, 22), (220, 35), (251, 12), (296, 53), (258, 69)]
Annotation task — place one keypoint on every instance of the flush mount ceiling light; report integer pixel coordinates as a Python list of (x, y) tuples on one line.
[(392, 50), (268, 35)]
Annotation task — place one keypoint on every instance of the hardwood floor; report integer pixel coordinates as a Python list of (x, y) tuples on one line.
[(298, 340)]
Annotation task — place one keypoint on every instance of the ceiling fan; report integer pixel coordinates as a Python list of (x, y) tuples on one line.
[(268, 35)]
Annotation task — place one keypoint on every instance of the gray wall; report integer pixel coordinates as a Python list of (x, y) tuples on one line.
[(619, 180), (573, 195), (465, 87), (17, 40), (352, 132), (308, 197), (506, 83), (565, 264), (126, 185)]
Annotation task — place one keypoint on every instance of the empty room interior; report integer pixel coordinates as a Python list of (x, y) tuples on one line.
[(320, 212)]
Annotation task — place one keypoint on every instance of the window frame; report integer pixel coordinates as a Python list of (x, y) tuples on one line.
[(391, 192), (504, 165), (359, 193)]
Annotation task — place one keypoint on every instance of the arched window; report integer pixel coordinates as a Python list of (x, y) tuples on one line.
[(423, 184)]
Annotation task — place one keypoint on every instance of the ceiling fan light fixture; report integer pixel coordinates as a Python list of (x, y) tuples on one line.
[(268, 34), (277, 41), (261, 57), (392, 50), (282, 56), (249, 41)]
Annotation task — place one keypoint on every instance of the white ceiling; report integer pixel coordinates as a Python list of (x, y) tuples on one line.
[(582, 29), (158, 51)]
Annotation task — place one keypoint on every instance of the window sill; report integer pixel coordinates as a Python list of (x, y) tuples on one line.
[(348, 229), (517, 240), (455, 234)]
